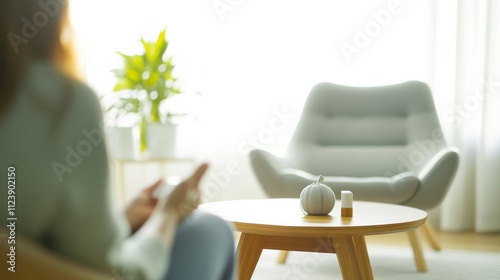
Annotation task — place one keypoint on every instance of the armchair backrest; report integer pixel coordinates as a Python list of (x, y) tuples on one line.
[(366, 131)]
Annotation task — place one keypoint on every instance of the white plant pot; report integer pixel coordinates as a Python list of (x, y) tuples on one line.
[(162, 141), (121, 143)]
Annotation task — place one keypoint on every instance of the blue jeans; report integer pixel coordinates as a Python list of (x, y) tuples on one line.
[(203, 249)]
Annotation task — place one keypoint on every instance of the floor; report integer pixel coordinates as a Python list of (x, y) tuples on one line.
[(453, 244), (489, 242)]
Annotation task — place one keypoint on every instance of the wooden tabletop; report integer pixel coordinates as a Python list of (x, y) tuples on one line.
[(284, 217)]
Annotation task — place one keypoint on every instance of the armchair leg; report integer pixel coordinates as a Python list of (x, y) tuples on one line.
[(417, 251), (431, 236), (282, 257)]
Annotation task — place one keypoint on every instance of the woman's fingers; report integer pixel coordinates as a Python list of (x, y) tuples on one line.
[(185, 197), (198, 174), (195, 190), (154, 186)]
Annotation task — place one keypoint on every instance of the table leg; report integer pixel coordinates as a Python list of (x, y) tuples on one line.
[(364, 260), (249, 250), (347, 257), (163, 172), (417, 251), (119, 180), (431, 235), (283, 256)]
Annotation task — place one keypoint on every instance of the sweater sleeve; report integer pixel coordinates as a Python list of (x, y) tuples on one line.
[(86, 228)]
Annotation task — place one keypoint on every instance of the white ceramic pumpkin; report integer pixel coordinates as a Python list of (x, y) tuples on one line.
[(317, 198)]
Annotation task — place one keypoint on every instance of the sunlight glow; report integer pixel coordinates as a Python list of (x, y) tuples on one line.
[(259, 56)]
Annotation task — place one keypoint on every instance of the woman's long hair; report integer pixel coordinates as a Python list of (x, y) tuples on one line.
[(33, 30)]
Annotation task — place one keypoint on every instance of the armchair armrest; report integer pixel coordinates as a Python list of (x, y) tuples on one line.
[(396, 189), (435, 179), (275, 162), (267, 168), (34, 261)]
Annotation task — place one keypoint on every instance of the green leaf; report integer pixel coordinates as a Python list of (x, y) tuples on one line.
[(176, 90), (135, 62), (154, 51), (148, 51), (124, 83), (133, 75), (152, 81), (160, 47)]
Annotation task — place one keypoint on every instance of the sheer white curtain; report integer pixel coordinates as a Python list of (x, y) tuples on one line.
[(468, 81)]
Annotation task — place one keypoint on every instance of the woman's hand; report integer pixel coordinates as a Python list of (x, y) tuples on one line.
[(140, 209), (173, 206), (185, 197)]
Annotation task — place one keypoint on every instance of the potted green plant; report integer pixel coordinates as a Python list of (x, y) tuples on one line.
[(144, 83)]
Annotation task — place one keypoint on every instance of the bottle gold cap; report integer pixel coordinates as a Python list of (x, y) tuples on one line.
[(346, 212)]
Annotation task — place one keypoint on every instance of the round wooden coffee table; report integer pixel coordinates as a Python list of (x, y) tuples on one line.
[(279, 224)]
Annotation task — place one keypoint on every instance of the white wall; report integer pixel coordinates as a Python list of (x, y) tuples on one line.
[(252, 59)]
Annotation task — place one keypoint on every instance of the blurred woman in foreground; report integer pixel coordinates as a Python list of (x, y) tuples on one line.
[(51, 137)]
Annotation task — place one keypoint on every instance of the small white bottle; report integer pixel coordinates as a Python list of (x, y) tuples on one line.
[(346, 197)]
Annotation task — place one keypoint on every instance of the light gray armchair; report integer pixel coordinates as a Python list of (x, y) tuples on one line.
[(384, 144)]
